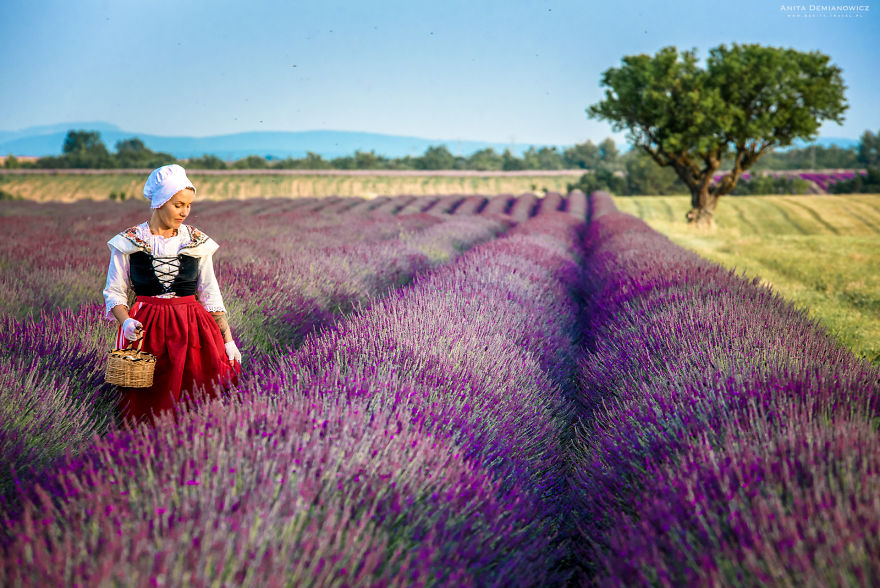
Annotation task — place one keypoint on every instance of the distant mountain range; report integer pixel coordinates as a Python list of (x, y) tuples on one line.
[(48, 139), (842, 142)]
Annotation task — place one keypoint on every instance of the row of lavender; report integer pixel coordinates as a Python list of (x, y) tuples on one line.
[(518, 208), (822, 179), (420, 441), (728, 440), (62, 249), (283, 275), (59, 245)]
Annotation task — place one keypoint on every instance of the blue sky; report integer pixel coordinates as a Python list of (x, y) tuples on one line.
[(505, 71)]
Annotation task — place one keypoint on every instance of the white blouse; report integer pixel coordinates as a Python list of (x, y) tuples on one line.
[(118, 284)]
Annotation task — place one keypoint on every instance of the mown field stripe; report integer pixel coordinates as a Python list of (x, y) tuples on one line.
[(863, 215)]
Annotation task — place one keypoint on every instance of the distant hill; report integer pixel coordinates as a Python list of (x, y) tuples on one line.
[(842, 142), (48, 139)]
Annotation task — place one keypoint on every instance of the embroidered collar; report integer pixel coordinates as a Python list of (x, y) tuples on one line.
[(196, 237), (133, 234)]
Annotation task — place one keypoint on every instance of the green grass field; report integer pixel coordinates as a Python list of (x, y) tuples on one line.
[(822, 252), (69, 187)]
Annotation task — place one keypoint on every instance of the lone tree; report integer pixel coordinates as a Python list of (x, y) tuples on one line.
[(746, 101), (84, 149)]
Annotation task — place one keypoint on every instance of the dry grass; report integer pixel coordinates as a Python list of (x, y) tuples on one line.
[(69, 187)]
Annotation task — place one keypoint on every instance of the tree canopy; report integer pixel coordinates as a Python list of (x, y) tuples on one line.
[(869, 149), (747, 100), (85, 149)]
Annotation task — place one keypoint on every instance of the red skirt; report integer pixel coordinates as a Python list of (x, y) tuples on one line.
[(190, 356)]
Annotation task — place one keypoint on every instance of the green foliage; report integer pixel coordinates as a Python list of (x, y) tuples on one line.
[(747, 100), (644, 176), (310, 161), (485, 159), (360, 160), (436, 157), (859, 184), (590, 156), (601, 178), (767, 184), (812, 157), (206, 162), (11, 162), (82, 141), (345, 162), (510, 162), (250, 162), (776, 95), (315, 161), (369, 160), (132, 153), (49, 162), (640, 176), (84, 149), (543, 158), (608, 151), (583, 155), (869, 149)]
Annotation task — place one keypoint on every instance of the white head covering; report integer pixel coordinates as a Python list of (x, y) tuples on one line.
[(165, 182)]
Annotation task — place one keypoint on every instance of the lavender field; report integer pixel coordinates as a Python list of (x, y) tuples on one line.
[(457, 390), (820, 252)]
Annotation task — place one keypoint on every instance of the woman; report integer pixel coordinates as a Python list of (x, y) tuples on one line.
[(178, 309)]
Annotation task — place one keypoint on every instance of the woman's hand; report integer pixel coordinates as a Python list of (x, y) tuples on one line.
[(232, 352), (132, 329)]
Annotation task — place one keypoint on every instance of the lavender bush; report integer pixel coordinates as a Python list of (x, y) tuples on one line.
[(728, 440), (52, 391), (64, 245), (420, 441), (306, 280), (53, 363)]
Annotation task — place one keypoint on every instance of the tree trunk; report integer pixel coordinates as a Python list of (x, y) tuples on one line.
[(703, 203)]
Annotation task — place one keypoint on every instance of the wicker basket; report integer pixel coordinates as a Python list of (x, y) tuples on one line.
[(131, 368)]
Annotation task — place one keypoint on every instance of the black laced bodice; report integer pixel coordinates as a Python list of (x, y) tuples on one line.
[(154, 275)]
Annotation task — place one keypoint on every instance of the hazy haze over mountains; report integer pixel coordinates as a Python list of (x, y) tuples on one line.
[(48, 139)]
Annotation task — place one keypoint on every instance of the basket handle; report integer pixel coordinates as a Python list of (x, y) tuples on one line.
[(140, 348)]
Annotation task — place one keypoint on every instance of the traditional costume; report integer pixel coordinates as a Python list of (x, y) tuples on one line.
[(175, 287)]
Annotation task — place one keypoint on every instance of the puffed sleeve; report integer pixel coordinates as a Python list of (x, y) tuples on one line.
[(118, 281), (207, 288)]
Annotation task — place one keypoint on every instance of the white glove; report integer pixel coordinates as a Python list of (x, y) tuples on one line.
[(232, 351), (132, 329)]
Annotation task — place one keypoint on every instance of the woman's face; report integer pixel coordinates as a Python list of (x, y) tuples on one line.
[(174, 212)]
